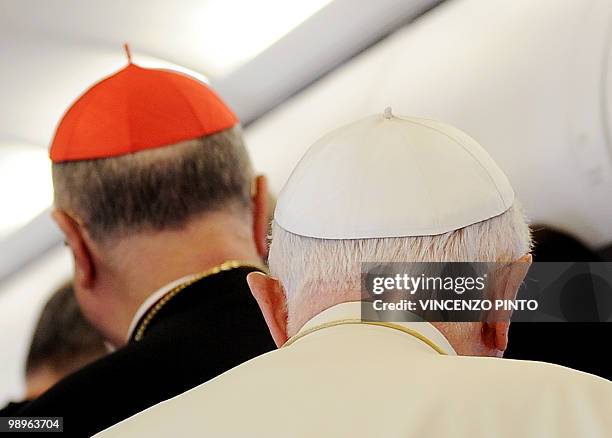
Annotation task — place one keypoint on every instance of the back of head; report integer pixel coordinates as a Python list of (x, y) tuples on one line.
[(63, 342), (388, 189), (328, 272), (157, 189), (146, 150), (149, 164)]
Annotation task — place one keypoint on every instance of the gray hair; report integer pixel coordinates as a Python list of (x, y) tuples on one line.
[(318, 273), (156, 189)]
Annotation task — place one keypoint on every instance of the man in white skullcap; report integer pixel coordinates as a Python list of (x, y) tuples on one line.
[(386, 189)]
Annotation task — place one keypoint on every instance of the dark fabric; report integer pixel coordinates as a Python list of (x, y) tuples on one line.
[(206, 329), (12, 408), (578, 345)]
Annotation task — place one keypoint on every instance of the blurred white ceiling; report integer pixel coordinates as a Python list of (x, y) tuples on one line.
[(35, 190), (51, 50), (210, 36)]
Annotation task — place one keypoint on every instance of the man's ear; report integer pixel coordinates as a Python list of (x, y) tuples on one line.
[(259, 200), (74, 234), (271, 299), (495, 333)]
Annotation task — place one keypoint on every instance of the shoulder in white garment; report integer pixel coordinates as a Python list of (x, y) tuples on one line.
[(369, 381)]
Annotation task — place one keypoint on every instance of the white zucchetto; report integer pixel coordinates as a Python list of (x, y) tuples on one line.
[(390, 176)]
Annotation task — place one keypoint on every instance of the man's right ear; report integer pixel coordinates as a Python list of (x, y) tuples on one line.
[(74, 233), (261, 219), (270, 296)]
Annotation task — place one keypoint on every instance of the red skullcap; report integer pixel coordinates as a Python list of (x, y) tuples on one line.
[(137, 109)]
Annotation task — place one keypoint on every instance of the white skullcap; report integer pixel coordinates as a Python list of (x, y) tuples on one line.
[(389, 176)]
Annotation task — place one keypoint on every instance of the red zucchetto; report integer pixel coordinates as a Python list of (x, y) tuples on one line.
[(137, 109)]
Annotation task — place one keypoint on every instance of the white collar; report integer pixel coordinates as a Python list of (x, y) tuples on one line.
[(353, 310), (153, 298)]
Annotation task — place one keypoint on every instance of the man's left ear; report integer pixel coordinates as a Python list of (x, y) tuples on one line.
[(261, 220), (496, 332), (74, 235)]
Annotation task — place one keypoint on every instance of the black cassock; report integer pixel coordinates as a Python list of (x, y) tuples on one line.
[(203, 330)]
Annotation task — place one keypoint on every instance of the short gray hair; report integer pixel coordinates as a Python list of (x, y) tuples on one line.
[(317, 272), (156, 189)]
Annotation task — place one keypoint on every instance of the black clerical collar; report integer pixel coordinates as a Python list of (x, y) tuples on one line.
[(143, 323)]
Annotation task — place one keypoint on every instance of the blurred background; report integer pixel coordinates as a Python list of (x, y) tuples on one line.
[(531, 81)]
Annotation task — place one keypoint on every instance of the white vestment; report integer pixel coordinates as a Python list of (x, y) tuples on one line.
[(340, 378)]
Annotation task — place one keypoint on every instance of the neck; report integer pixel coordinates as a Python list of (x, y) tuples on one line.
[(310, 302), (463, 337), (146, 262)]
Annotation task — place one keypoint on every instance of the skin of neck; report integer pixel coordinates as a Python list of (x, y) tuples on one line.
[(39, 380), (133, 267), (465, 337)]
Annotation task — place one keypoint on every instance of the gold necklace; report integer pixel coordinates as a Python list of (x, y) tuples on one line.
[(148, 317), (399, 327)]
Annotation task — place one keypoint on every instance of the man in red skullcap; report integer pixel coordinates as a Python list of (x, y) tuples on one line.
[(157, 199)]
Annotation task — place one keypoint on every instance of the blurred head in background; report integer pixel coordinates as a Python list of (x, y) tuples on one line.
[(63, 342), (150, 188)]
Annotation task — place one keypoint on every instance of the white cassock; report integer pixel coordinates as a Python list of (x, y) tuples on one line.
[(341, 378)]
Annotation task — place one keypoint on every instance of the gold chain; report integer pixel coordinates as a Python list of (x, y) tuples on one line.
[(399, 327), (148, 317)]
